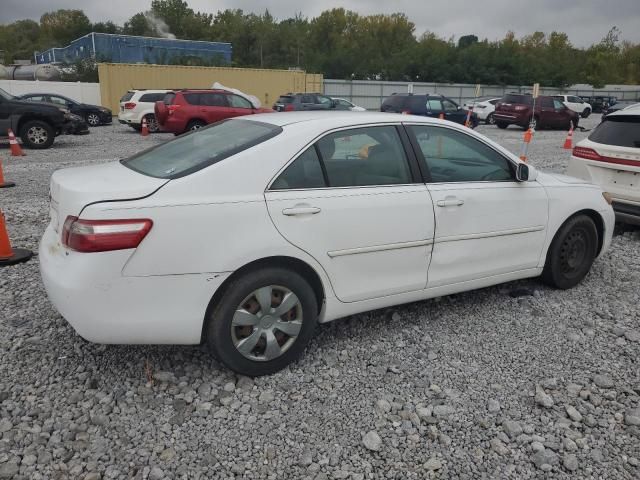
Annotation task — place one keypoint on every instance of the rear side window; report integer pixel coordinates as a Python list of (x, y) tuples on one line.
[(547, 102), (127, 96), (237, 101), (513, 98), (213, 100), (152, 97), (197, 150), (619, 130), (168, 98), (418, 104), (304, 172), (395, 102)]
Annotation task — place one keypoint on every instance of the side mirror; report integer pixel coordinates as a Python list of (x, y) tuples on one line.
[(522, 172)]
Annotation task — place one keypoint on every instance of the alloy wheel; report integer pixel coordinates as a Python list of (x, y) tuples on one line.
[(37, 135), (93, 119)]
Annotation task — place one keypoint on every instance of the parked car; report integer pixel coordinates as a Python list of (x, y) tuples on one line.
[(610, 158), (599, 103), (36, 123), (75, 125), (190, 109), (518, 109), (138, 104), (304, 101), (621, 105), (576, 104), (94, 115), (427, 106), (344, 104), (483, 107), (247, 233)]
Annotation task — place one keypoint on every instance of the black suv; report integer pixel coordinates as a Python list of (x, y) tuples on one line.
[(37, 124), (292, 102), (427, 106)]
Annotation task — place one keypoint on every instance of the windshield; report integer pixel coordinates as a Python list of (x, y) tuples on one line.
[(6, 95), (197, 150)]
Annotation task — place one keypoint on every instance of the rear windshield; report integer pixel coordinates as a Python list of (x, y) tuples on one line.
[(397, 101), (197, 150), (620, 130), (285, 99), (127, 96), (521, 99), (168, 98)]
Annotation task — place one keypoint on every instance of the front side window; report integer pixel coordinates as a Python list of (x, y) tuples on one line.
[(236, 101), (197, 150), (323, 100), (449, 106), (59, 100), (558, 105), (453, 156), (304, 172), (36, 98), (363, 157), (307, 99)]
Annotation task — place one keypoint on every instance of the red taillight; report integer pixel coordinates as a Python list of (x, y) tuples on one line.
[(130, 105), (172, 108), (520, 108), (288, 108), (104, 235), (588, 153)]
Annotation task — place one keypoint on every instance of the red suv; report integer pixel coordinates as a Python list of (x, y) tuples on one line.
[(184, 110), (518, 109)]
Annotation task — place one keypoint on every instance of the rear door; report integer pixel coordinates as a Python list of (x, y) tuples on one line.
[(434, 107), (354, 202), (452, 112), (547, 114)]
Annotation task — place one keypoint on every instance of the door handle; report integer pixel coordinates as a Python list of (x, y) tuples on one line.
[(300, 211), (450, 202)]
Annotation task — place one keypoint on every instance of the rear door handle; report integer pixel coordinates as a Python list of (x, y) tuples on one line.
[(450, 202), (290, 212)]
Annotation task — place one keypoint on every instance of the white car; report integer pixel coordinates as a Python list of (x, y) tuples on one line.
[(483, 107), (138, 104), (344, 104), (576, 104), (610, 157), (247, 233)]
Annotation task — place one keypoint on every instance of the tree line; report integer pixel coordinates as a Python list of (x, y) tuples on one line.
[(343, 44)]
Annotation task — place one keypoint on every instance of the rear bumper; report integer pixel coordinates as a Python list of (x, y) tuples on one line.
[(103, 306)]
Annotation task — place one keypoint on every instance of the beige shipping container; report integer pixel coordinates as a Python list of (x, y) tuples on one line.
[(267, 85)]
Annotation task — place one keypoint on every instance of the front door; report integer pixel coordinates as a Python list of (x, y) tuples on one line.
[(487, 224), (354, 203)]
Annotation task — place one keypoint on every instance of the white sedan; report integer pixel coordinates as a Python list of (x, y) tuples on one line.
[(344, 104), (247, 233), (483, 107)]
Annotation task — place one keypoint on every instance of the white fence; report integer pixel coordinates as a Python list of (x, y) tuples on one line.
[(370, 93), (81, 92)]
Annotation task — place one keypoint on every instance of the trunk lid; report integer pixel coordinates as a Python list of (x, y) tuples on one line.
[(72, 189)]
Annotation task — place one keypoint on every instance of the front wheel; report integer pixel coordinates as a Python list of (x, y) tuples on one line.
[(195, 125), (490, 120), (585, 113), (93, 119), (263, 321), (37, 134), (502, 125), (571, 253)]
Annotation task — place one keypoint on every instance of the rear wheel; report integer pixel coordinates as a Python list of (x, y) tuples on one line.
[(502, 125), (490, 120), (571, 253), (37, 134), (93, 119), (195, 125), (263, 321), (152, 123)]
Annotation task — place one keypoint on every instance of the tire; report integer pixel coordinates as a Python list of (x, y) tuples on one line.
[(585, 113), (502, 125), (37, 134), (93, 119), (571, 253), (490, 120), (226, 332), (195, 125), (152, 123)]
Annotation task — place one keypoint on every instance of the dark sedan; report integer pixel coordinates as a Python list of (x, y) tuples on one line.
[(93, 114)]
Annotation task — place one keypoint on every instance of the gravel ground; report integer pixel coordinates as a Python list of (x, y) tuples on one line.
[(514, 381)]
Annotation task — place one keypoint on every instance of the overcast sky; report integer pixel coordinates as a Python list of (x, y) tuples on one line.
[(585, 21)]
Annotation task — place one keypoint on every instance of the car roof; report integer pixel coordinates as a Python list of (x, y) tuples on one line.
[(336, 119), (200, 90)]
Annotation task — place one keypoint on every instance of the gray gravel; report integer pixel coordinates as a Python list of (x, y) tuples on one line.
[(477, 385)]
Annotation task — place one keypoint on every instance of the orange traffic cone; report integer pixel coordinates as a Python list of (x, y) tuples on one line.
[(441, 116), (8, 255), (4, 184), (568, 142), (145, 128), (16, 150), (528, 135)]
